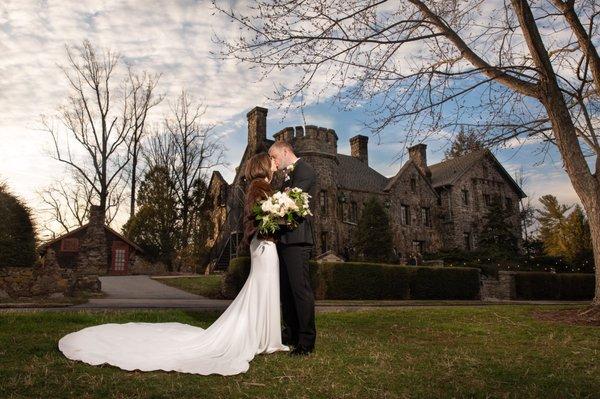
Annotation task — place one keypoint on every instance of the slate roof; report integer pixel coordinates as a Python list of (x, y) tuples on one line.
[(354, 174), (448, 172)]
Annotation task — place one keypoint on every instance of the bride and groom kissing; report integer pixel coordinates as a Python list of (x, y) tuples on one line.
[(277, 287)]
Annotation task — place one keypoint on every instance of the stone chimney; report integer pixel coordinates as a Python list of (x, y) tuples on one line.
[(97, 215), (418, 154), (93, 251), (359, 149), (257, 127)]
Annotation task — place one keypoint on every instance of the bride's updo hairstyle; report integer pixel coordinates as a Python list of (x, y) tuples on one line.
[(258, 167)]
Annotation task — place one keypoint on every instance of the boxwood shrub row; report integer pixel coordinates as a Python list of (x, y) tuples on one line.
[(362, 280), (557, 286)]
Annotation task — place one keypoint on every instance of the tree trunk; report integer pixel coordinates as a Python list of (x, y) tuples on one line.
[(133, 181), (593, 215), (584, 182)]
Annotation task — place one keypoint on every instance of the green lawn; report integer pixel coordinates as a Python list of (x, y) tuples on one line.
[(208, 286), (495, 351)]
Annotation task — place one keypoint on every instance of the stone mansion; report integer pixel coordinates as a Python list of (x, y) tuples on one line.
[(431, 207)]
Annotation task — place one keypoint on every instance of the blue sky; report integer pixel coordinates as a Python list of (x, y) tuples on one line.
[(174, 38)]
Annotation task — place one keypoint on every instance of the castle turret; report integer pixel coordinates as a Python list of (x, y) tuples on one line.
[(359, 148), (310, 139)]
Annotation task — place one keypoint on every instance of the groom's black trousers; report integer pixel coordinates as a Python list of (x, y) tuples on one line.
[(297, 297)]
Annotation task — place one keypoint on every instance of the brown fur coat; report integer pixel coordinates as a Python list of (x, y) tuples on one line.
[(258, 189)]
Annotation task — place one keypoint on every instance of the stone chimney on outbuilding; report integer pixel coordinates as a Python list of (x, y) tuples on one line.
[(257, 127), (359, 148), (418, 154)]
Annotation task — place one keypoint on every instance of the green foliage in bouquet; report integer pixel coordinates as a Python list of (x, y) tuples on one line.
[(267, 223), (270, 220)]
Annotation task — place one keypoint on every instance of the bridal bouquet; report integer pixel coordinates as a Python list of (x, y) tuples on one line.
[(282, 208)]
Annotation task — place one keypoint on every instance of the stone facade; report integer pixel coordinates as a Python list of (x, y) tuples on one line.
[(431, 207)]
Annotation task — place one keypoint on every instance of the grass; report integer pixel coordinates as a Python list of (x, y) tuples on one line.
[(492, 351), (205, 285)]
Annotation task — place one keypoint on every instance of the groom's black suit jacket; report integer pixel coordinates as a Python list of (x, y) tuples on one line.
[(303, 176)]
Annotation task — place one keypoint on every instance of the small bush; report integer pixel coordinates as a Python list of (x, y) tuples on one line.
[(235, 276)]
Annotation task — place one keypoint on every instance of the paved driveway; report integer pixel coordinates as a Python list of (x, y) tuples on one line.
[(141, 287)]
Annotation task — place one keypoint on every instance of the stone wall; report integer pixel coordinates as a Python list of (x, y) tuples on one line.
[(45, 279), (502, 287)]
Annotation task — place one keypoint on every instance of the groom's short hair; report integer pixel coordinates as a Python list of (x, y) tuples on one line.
[(280, 145)]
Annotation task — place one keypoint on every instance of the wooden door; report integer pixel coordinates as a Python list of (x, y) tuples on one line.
[(119, 259)]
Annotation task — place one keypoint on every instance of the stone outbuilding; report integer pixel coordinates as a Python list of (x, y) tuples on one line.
[(96, 249)]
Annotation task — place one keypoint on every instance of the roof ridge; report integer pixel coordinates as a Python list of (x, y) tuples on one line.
[(472, 153)]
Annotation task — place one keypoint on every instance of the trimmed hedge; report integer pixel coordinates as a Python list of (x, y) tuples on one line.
[(557, 286), (445, 283), (358, 280)]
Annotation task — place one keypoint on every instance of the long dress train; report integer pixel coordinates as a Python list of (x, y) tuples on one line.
[(251, 325)]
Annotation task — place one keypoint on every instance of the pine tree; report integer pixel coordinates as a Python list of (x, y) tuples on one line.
[(551, 220), (497, 237), (566, 236), (373, 236), (156, 225), (464, 143)]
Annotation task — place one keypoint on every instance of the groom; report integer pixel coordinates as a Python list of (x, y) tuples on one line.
[(294, 247)]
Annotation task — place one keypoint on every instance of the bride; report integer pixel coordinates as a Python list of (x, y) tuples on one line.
[(251, 324)]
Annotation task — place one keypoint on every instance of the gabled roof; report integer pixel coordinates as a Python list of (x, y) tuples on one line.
[(216, 175), (42, 247), (449, 172), (354, 174), (392, 180)]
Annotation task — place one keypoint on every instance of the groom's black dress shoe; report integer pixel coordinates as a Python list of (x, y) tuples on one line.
[(300, 351)]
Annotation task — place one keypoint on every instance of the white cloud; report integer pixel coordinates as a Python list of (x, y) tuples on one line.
[(172, 38)]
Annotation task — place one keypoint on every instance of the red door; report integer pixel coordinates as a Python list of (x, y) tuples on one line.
[(119, 258)]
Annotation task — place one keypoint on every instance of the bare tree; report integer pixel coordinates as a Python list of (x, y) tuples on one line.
[(532, 66), (191, 149), (97, 119), (66, 205), (140, 89)]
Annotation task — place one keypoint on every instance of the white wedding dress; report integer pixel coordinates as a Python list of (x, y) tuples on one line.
[(251, 325)]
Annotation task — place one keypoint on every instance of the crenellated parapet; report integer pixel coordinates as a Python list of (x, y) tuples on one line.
[(309, 139)]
